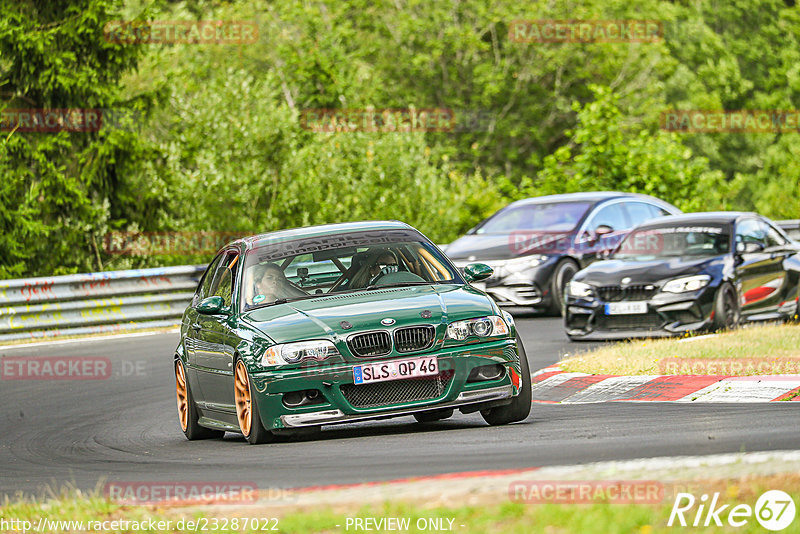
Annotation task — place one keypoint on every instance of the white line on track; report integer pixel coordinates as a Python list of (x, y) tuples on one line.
[(85, 339), (740, 389), (608, 389), (696, 338)]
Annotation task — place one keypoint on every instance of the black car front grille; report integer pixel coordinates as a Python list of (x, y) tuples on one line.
[(618, 293), (630, 322), (396, 391), (370, 345), (413, 338)]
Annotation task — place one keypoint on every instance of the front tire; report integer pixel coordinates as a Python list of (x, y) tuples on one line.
[(247, 409), (563, 273), (187, 411), (726, 308), (520, 406)]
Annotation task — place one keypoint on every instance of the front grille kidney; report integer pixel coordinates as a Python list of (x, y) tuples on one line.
[(370, 344), (413, 338)]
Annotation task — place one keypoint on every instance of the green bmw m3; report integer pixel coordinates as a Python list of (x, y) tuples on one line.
[(295, 329)]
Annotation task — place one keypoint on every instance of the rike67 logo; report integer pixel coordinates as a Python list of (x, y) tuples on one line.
[(774, 510)]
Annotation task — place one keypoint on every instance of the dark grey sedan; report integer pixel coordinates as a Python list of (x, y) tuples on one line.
[(536, 245)]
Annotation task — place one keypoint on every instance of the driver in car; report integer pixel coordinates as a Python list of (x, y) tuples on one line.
[(377, 264), (385, 264), (268, 284)]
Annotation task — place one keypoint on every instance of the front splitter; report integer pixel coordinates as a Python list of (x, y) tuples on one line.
[(328, 417)]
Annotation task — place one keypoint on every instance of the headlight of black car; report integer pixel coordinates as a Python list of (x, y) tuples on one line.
[(286, 353), (686, 284), (579, 289), (517, 265), (489, 326)]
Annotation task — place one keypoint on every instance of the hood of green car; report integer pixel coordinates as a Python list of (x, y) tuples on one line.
[(321, 318)]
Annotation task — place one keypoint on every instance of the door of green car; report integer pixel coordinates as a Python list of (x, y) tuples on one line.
[(192, 331), (214, 348)]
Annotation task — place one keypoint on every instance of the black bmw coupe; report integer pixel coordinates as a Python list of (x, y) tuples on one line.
[(701, 271)]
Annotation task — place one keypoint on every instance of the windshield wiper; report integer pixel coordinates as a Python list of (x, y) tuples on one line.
[(284, 300), (398, 284)]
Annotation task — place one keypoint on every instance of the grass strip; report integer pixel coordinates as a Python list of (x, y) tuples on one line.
[(497, 516), (758, 350)]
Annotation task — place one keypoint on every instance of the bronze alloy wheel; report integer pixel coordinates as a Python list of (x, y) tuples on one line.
[(242, 392), (182, 395)]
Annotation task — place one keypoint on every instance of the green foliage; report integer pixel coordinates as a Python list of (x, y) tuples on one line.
[(214, 140), (605, 153), (58, 188)]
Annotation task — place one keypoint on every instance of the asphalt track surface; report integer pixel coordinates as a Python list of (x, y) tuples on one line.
[(125, 429)]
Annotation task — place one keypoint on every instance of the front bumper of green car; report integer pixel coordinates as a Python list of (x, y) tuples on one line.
[(339, 400)]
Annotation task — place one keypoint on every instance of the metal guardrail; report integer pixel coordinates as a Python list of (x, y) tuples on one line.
[(791, 227), (95, 302)]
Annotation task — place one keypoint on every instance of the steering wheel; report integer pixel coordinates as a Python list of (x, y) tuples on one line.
[(387, 269), (397, 278)]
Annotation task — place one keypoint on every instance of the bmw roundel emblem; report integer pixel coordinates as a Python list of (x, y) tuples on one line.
[(387, 322)]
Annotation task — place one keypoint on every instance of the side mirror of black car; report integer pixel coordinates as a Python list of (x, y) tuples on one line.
[(213, 306), (749, 247)]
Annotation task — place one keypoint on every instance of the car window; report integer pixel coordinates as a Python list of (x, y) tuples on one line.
[(751, 231), (224, 277), (652, 242), (557, 216), (639, 212), (304, 271), (773, 236), (612, 215), (204, 286)]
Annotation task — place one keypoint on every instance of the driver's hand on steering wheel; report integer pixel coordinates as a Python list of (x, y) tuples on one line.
[(385, 265)]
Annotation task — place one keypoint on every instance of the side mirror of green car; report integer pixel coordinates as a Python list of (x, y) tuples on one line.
[(213, 306), (475, 272)]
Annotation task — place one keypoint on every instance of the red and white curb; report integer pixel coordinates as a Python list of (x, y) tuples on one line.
[(553, 385)]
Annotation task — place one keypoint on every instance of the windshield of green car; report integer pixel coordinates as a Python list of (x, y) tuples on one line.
[(362, 261), (651, 243)]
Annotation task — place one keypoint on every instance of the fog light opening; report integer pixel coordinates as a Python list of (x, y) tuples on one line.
[(295, 399), (486, 372)]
